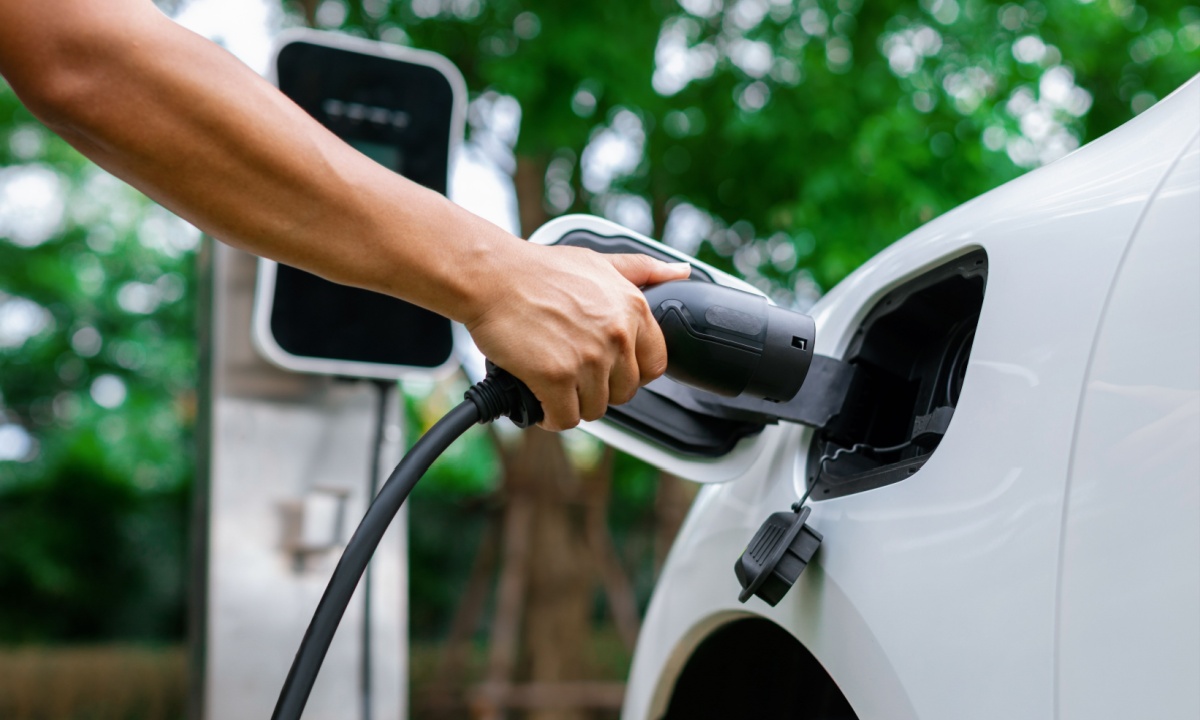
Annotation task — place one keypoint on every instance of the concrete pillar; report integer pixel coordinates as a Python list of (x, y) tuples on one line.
[(280, 452)]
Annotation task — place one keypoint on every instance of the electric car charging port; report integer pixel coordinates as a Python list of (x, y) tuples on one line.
[(910, 355)]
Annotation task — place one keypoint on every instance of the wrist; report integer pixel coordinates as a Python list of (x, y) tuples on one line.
[(442, 257)]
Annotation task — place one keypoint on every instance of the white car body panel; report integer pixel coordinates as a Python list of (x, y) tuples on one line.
[(1130, 576), (1045, 561)]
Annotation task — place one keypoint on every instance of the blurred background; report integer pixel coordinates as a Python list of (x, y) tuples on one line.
[(786, 142)]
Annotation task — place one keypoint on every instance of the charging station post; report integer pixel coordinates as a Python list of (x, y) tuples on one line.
[(292, 446), (289, 458)]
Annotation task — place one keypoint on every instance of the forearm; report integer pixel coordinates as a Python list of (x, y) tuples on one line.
[(197, 130)]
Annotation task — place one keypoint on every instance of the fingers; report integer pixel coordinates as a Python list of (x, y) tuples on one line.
[(580, 335), (560, 404), (636, 357), (601, 379), (593, 393), (649, 356), (624, 377), (644, 270), (651, 350)]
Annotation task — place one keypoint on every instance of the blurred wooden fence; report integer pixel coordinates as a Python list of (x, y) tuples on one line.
[(108, 682)]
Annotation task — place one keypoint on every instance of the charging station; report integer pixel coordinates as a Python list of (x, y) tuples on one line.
[(292, 440), (404, 109)]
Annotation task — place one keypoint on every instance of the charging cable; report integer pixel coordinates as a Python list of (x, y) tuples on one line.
[(718, 339), (497, 394)]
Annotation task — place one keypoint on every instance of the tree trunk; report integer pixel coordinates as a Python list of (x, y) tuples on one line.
[(530, 183), (622, 601), (309, 9), (557, 617)]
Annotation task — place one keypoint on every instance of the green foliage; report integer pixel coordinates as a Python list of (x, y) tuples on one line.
[(799, 138), (87, 556), (468, 468), (448, 508), (832, 127), (99, 389)]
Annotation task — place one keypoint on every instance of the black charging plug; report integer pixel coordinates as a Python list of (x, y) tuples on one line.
[(731, 342)]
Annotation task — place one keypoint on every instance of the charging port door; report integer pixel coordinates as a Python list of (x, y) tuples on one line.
[(910, 356)]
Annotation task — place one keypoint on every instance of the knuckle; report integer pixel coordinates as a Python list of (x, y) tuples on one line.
[(619, 334), (559, 373), (592, 357), (640, 311), (594, 413), (558, 420), (624, 395), (653, 368), (640, 260)]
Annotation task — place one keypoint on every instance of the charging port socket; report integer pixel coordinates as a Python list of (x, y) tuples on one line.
[(910, 357)]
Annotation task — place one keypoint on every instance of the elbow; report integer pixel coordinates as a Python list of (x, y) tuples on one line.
[(66, 80), (55, 56), (59, 95)]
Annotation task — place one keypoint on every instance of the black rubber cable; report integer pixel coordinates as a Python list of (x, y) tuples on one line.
[(296, 688), (497, 394)]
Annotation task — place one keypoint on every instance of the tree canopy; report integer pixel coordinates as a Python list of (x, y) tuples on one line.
[(786, 141), (791, 141)]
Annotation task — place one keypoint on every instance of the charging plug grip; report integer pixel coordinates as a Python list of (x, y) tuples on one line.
[(500, 393), (730, 342)]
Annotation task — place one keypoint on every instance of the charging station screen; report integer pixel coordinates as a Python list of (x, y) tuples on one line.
[(386, 155), (399, 114)]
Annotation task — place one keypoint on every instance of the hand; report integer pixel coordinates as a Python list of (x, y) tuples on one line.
[(573, 325)]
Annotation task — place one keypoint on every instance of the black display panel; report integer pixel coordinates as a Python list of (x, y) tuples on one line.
[(400, 114)]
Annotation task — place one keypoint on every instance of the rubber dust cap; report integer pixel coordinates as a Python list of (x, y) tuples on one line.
[(776, 556)]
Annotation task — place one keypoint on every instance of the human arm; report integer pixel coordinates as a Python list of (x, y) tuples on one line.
[(189, 125)]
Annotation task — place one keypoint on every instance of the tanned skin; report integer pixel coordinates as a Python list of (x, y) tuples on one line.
[(188, 124)]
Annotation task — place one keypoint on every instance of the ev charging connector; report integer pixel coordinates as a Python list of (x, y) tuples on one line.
[(731, 342)]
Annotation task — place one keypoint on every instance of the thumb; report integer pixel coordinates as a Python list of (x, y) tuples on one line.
[(645, 270)]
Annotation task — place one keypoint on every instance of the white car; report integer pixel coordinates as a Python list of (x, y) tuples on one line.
[(1037, 557)]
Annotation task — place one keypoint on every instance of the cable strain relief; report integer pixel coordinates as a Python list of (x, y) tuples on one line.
[(500, 393), (488, 399)]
